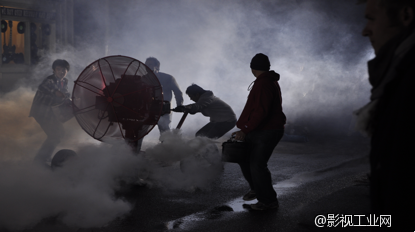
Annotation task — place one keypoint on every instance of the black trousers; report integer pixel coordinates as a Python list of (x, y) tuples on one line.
[(214, 130), (255, 169)]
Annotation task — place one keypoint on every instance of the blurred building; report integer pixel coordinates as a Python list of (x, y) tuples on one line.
[(29, 30)]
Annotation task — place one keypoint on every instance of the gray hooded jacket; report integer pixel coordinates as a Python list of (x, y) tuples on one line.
[(213, 107)]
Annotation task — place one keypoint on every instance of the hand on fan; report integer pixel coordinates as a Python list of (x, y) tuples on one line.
[(179, 109)]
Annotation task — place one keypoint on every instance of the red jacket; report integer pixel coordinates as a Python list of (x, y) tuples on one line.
[(263, 109)]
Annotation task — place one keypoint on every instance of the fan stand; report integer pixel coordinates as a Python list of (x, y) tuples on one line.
[(131, 139)]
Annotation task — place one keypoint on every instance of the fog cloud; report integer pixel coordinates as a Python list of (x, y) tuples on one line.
[(314, 45)]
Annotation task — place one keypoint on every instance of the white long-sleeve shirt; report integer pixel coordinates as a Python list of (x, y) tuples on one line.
[(169, 85)]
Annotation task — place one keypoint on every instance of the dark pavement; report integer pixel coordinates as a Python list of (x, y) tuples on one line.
[(324, 176)]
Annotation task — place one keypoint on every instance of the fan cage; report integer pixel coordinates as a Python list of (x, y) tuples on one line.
[(117, 97)]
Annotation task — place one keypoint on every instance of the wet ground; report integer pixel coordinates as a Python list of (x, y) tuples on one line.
[(320, 177)]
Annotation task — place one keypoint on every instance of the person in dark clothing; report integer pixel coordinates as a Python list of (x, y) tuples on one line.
[(261, 125), (222, 117), (389, 117), (169, 85), (51, 92)]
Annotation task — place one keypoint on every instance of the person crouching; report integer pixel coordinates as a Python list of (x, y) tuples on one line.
[(222, 117), (51, 92)]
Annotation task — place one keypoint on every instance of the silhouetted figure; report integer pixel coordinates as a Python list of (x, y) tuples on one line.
[(262, 127), (169, 85), (222, 118), (389, 118), (52, 92)]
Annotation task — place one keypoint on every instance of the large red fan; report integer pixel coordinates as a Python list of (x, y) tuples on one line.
[(117, 97)]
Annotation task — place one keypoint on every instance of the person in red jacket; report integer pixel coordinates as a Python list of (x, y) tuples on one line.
[(261, 125)]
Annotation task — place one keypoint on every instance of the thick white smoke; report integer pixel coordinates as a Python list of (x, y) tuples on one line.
[(81, 193), (194, 163), (315, 46), (210, 43)]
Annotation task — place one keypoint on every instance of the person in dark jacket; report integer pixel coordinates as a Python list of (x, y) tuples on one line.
[(51, 92), (389, 117), (261, 125), (222, 118)]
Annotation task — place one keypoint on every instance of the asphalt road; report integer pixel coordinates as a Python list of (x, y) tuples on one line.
[(306, 176)]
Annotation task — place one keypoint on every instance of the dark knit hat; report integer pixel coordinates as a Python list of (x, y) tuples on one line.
[(194, 89), (260, 62)]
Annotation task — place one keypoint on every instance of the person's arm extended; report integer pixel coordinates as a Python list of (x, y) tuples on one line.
[(201, 104)]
